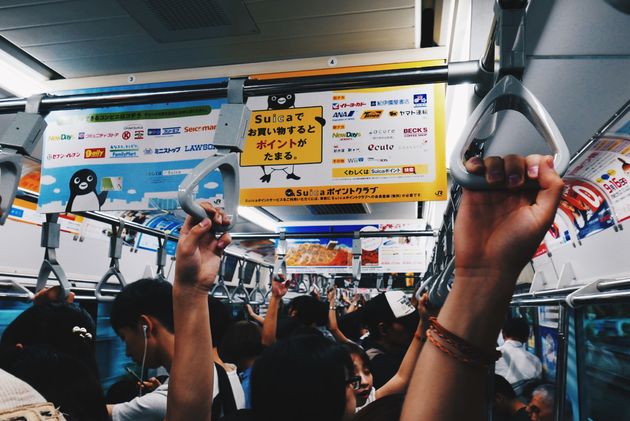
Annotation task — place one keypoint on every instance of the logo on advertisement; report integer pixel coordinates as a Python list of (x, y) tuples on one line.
[(62, 136), (154, 132), (195, 129), (420, 100), (94, 153), (354, 160), (126, 135), (338, 161), (199, 147), (171, 130), (289, 193), (393, 113), (346, 135), (133, 127), (343, 115), (123, 151), (148, 151), (138, 134), (335, 105), (373, 147), (610, 182), (371, 114), (415, 131), (81, 135)]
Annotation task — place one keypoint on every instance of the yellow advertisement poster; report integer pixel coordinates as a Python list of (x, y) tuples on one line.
[(289, 136), (356, 146)]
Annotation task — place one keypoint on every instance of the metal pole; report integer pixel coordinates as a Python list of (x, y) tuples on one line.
[(253, 87)]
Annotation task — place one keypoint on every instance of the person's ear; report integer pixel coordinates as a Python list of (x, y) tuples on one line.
[(146, 325), (383, 329)]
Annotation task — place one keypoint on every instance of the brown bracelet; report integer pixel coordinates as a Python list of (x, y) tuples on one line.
[(463, 346), (431, 335)]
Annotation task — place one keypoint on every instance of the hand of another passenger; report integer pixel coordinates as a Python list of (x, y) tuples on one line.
[(150, 385), (332, 295), (199, 251), (279, 288), (498, 231), (52, 294)]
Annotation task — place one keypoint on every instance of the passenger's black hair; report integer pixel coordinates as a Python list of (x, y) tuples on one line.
[(503, 387), (355, 349), (220, 320), (148, 296), (350, 325), (516, 328), (65, 381), (122, 391), (301, 378), (309, 310), (241, 341), (60, 326)]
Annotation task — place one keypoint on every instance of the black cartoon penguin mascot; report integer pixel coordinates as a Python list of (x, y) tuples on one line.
[(83, 195), (283, 102)]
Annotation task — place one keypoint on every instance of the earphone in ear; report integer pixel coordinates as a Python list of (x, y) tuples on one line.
[(144, 330)]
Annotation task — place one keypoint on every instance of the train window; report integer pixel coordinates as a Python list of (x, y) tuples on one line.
[(605, 387)]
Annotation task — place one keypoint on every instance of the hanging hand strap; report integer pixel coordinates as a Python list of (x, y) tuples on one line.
[(115, 253)]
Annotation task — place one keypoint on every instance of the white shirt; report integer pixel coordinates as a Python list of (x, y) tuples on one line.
[(371, 398), (516, 364), (152, 406)]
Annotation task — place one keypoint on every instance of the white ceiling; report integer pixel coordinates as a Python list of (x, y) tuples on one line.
[(79, 38)]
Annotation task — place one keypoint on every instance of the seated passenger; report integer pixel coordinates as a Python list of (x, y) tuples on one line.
[(506, 406), (541, 406), (517, 365), (142, 315), (392, 321)]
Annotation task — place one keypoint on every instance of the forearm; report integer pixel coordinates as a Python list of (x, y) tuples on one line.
[(270, 323), (334, 327), (473, 311), (257, 318), (192, 362)]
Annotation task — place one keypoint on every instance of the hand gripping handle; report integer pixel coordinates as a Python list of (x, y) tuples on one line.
[(228, 165), (10, 172), (508, 94)]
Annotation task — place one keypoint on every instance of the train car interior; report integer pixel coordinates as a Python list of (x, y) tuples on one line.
[(343, 140)]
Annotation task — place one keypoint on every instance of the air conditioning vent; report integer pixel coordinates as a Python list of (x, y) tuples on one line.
[(185, 20), (345, 209)]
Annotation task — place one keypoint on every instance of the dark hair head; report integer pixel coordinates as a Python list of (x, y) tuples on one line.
[(351, 324), (309, 310), (149, 297), (220, 319), (242, 341), (503, 387), (310, 374), (65, 381), (354, 349), (385, 408), (516, 328), (52, 325)]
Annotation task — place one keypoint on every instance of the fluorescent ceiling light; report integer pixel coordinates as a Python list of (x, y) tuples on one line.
[(257, 217), (18, 78)]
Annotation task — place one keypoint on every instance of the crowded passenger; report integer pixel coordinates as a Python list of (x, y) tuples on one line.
[(541, 405), (142, 315), (517, 365), (506, 406), (309, 378)]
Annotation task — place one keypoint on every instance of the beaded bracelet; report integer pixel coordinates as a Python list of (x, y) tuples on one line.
[(464, 347)]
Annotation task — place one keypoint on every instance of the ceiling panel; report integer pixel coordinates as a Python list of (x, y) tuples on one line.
[(79, 38), (229, 54)]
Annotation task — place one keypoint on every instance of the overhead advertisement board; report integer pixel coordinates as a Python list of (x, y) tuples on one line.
[(353, 146), (126, 158)]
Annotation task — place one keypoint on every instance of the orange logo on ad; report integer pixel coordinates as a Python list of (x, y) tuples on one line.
[(94, 153), (371, 114)]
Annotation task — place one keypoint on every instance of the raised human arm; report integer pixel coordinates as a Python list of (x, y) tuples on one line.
[(256, 317), (400, 381), (198, 258), (270, 325), (496, 233), (332, 317)]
